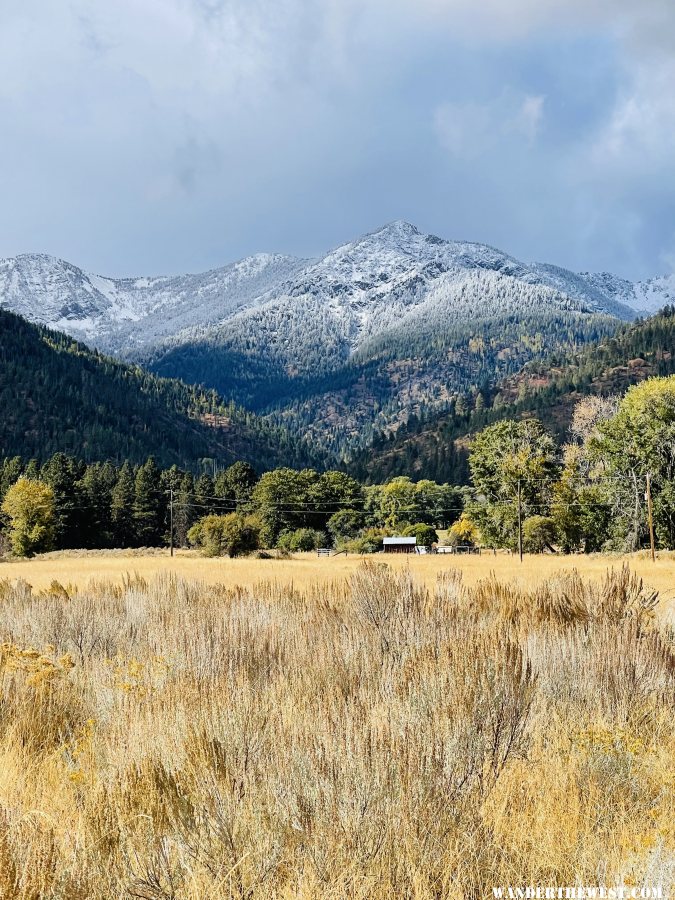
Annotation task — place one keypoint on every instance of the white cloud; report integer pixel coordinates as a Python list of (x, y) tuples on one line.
[(639, 133), (187, 52), (169, 118), (649, 22)]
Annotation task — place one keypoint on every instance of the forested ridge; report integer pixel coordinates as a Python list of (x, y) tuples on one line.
[(340, 401), (435, 445), (57, 395)]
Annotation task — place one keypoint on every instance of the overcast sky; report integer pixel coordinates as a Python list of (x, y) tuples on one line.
[(152, 136)]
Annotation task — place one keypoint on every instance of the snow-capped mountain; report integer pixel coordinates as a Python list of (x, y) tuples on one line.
[(393, 322), (369, 283), (393, 284), (117, 314), (644, 297)]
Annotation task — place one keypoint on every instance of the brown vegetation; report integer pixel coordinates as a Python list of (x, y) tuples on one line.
[(366, 738)]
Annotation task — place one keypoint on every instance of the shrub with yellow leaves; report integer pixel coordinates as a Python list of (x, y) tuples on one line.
[(39, 666), (136, 678)]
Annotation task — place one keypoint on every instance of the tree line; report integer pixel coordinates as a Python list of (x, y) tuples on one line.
[(68, 504)]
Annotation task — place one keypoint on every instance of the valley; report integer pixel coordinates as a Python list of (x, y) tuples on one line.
[(337, 450)]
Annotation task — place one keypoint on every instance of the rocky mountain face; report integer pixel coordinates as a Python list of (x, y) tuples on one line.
[(387, 325)]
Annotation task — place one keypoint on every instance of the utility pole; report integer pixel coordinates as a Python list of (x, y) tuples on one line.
[(171, 520), (650, 516), (520, 524)]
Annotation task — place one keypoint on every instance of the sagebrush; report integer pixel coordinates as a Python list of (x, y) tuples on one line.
[(369, 738)]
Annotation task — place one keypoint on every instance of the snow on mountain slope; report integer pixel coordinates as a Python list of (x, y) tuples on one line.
[(392, 281), (53, 292), (654, 294), (116, 314), (644, 297), (390, 278)]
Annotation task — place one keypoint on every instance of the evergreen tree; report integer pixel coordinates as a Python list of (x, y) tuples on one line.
[(32, 470), (170, 482), (236, 483), (204, 492), (10, 473), (95, 489), (121, 508), (149, 504), (184, 513), (62, 473)]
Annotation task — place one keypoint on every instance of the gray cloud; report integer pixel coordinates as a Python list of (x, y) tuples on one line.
[(161, 135), (469, 130)]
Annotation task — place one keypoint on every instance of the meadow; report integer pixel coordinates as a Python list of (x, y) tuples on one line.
[(311, 728), (304, 570)]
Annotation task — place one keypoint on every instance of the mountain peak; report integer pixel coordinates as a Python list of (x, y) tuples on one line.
[(367, 285), (399, 234), (43, 260), (399, 228)]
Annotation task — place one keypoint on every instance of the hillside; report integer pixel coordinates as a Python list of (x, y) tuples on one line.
[(436, 446), (57, 395)]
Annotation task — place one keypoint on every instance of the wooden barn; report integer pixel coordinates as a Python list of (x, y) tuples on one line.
[(400, 544)]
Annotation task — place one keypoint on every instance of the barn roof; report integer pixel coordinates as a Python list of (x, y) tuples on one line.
[(401, 541)]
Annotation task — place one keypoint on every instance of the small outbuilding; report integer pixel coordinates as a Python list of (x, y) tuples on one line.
[(400, 544)]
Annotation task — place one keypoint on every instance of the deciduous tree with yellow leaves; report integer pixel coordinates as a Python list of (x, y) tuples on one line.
[(29, 505)]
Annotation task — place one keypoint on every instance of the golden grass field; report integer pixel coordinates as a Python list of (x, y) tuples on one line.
[(306, 569), (329, 728)]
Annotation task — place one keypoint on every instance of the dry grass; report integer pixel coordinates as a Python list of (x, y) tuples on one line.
[(305, 570), (362, 738)]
